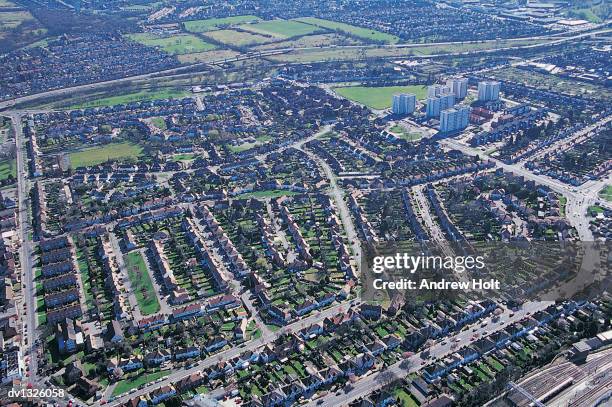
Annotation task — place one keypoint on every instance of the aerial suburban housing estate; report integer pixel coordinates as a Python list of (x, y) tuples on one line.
[(317, 203)]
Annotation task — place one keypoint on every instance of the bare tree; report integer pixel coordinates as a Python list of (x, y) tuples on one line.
[(406, 364), (386, 377)]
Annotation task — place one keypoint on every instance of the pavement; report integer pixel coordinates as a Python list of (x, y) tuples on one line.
[(567, 142), (231, 353), (131, 293), (26, 250), (29, 346), (578, 198), (343, 211), (368, 384), (431, 226)]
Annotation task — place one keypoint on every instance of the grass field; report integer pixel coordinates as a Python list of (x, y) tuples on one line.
[(381, 97), (8, 167), (316, 40), (199, 26), (400, 131), (281, 28), (174, 44), (237, 38), (606, 193), (342, 53), (208, 56), (159, 122), (595, 210), (246, 146), (43, 43), (184, 157), (132, 97), (98, 155), (360, 32), (141, 284), (11, 19), (595, 11), (129, 384), (405, 399)]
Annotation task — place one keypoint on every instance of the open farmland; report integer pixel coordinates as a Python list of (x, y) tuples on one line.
[(208, 56), (379, 97), (198, 26), (281, 28), (354, 53), (174, 44), (98, 155), (238, 38), (309, 41), (12, 19), (360, 32)]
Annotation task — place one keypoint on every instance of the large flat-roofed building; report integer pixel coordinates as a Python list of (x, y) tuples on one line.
[(454, 119), (488, 90), (434, 105), (458, 86), (437, 90), (403, 103)]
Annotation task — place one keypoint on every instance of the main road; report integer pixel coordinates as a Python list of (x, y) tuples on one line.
[(25, 252), (368, 384), (578, 198), (30, 345), (235, 351)]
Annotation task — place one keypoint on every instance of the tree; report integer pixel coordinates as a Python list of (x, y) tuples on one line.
[(406, 364), (386, 377)]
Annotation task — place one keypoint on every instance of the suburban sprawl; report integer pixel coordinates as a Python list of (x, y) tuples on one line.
[(191, 191)]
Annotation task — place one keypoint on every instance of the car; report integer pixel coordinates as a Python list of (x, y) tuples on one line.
[(423, 362), (443, 343)]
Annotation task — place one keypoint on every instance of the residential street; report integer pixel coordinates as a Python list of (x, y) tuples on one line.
[(368, 384)]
